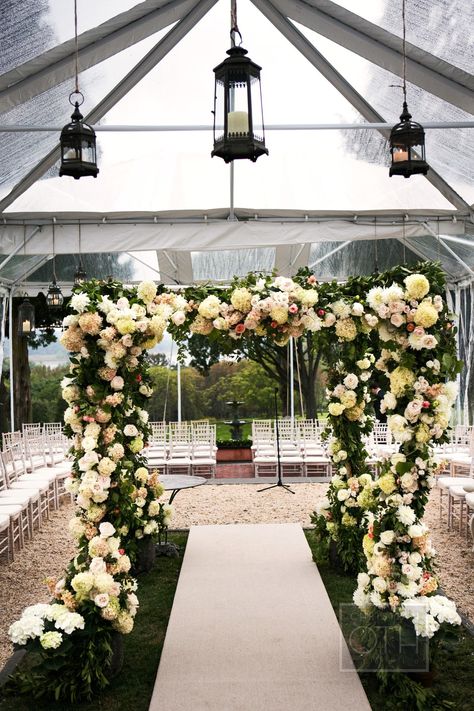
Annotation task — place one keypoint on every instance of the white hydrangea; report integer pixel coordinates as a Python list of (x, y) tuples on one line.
[(79, 302), (406, 515)]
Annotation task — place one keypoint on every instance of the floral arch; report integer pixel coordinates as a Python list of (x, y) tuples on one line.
[(394, 325)]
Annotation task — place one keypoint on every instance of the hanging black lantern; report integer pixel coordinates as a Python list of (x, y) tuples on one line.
[(238, 108), (78, 150), (54, 297), (80, 276), (26, 318), (407, 147)]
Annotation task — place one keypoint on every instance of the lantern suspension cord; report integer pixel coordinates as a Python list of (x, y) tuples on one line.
[(404, 243), (438, 240), (54, 256), (234, 28), (80, 244), (76, 45), (404, 52), (376, 246)]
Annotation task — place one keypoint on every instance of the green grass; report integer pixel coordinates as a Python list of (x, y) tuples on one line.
[(131, 690), (454, 659)]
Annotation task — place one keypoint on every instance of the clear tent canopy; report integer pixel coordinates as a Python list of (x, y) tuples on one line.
[(161, 208), (165, 209)]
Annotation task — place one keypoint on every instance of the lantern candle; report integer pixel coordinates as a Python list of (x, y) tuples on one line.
[(26, 326), (399, 155), (237, 122)]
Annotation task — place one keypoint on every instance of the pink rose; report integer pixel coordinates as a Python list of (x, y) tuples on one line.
[(240, 328), (293, 309), (397, 320)]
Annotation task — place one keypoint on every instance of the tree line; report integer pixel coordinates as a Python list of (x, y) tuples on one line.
[(203, 394)]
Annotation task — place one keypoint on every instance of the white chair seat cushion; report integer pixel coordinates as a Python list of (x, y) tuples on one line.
[(22, 497), (445, 482), (11, 509), (36, 479), (42, 486), (457, 491), (470, 499)]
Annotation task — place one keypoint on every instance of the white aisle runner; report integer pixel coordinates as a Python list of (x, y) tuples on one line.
[(252, 628)]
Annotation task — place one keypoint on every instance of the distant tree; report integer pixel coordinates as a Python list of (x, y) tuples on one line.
[(158, 359), (205, 352), (47, 402)]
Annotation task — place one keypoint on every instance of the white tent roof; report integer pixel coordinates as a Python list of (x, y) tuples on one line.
[(320, 197)]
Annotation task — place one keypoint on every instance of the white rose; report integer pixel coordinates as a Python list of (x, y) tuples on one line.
[(117, 383), (357, 309), (387, 537), (178, 318), (351, 381), (106, 529), (363, 580), (343, 494), (379, 584), (415, 531)]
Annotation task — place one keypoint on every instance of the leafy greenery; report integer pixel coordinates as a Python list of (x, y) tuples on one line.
[(131, 689), (234, 444)]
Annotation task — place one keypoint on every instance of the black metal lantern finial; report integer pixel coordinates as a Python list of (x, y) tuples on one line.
[(238, 104), (54, 297), (78, 142), (26, 318), (407, 138)]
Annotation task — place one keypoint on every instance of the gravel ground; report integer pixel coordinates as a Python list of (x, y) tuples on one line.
[(21, 583)]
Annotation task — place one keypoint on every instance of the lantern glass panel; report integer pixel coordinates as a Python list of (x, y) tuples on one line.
[(70, 153), (238, 114), (26, 318), (219, 110), (257, 109), (88, 151)]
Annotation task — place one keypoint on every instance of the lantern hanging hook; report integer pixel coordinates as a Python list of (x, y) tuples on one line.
[(75, 102), (234, 28)]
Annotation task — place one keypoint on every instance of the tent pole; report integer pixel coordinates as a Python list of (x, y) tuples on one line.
[(179, 389), (12, 390), (292, 376), (231, 189)]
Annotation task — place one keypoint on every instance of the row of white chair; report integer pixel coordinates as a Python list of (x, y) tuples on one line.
[(456, 484), (183, 448), (38, 445), (27, 497)]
